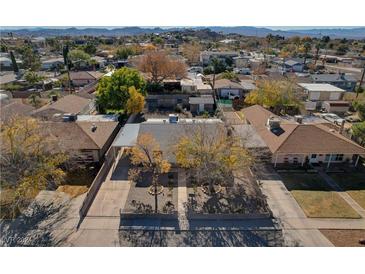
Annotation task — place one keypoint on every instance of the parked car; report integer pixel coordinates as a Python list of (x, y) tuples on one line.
[(333, 118)]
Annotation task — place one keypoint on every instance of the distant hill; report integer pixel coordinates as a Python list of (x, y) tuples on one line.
[(355, 33)]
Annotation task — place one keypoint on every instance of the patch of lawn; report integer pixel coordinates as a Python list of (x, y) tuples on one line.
[(344, 238), (353, 184), (316, 198)]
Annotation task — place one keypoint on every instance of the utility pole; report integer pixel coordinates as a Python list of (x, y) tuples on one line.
[(360, 84)]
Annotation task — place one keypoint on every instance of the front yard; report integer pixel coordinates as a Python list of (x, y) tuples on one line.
[(353, 184), (316, 198), (344, 238)]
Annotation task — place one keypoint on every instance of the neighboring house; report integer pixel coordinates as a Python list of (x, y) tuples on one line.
[(85, 141), (68, 104), (53, 63), (294, 66), (241, 61), (82, 78), (167, 132), (339, 107), (301, 141), (204, 103), (207, 56), (228, 89), (14, 108), (177, 93), (248, 85), (318, 93), (343, 81)]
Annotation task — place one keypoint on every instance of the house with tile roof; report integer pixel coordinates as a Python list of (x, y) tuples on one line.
[(302, 140)]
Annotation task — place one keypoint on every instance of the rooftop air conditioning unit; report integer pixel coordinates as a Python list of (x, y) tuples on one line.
[(173, 118), (298, 119), (273, 123)]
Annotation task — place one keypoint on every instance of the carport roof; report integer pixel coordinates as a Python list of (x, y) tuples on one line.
[(127, 136)]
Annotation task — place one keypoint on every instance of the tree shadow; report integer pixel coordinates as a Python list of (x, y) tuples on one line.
[(34, 226)]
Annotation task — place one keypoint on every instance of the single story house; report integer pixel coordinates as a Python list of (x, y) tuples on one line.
[(82, 78), (207, 56), (201, 104), (84, 141), (318, 93), (68, 104), (343, 81), (14, 108), (293, 66), (53, 63), (228, 89), (167, 132), (299, 142)]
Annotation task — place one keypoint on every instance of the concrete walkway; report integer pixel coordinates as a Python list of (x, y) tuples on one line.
[(182, 199), (101, 224), (342, 193)]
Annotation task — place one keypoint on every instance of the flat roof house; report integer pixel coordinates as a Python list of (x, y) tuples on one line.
[(167, 132), (301, 141), (343, 81), (318, 93)]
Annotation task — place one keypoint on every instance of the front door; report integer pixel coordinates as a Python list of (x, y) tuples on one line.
[(313, 158)]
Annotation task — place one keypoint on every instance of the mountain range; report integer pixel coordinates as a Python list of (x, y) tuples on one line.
[(355, 33)]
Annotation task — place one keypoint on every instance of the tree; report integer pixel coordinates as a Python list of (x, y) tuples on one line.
[(13, 62), (191, 51), (159, 66), (34, 100), (124, 52), (214, 158), (32, 77), (89, 48), (29, 161), (78, 56), (230, 75), (360, 108), (30, 58), (358, 130), (135, 102), (66, 60), (112, 92), (273, 94), (147, 157)]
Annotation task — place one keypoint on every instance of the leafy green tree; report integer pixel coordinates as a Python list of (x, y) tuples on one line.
[(77, 56), (358, 130), (30, 58), (124, 52), (89, 48), (135, 103), (34, 100), (360, 108), (113, 92), (32, 77)]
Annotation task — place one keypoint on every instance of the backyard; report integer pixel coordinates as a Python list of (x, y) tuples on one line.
[(316, 198), (353, 184)]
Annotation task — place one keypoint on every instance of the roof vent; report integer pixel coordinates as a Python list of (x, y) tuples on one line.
[(93, 127), (298, 119)]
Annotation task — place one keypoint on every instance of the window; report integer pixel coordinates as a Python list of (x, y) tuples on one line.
[(286, 160), (313, 156), (295, 160), (327, 157), (338, 157)]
